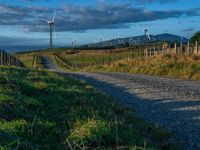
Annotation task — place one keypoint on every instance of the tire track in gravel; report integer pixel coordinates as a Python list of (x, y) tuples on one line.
[(171, 103)]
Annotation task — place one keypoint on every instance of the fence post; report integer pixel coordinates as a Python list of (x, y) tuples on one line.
[(175, 48), (3, 60), (196, 48), (146, 52), (181, 48), (163, 49), (150, 52), (8, 59), (154, 51), (188, 48), (1, 64), (33, 61)]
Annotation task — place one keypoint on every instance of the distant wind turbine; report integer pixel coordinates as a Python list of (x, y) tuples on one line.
[(146, 34), (52, 30)]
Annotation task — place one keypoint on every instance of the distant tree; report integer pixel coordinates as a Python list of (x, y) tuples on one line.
[(195, 37)]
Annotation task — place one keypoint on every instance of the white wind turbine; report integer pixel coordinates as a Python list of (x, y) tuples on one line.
[(146, 34), (52, 30), (74, 42), (118, 39)]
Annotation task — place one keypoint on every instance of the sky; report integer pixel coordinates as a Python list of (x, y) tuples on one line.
[(23, 22)]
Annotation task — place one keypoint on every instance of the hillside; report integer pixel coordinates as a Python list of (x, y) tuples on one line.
[(137, 40)]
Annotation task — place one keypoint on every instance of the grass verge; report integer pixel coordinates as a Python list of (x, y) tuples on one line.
[(167, 65), (43, 110)]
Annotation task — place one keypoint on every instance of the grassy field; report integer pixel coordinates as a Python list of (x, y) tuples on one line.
[(43, 110), (184, 67), (168, 65), (79, 59), (125, 60), (32, 59)]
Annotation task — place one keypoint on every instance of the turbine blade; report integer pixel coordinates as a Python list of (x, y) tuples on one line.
[(48, 21), (45, 20), (54, 16)]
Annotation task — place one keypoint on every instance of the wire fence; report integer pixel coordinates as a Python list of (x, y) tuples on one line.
[(7, 59), (147, 51), (176, 49)]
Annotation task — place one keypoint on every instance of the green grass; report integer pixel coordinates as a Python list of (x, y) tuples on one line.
[(82, 59), (126, 60), (43, 110), (185, 66)]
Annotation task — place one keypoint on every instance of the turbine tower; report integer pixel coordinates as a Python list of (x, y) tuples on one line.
[(146, 35), (52, 29)]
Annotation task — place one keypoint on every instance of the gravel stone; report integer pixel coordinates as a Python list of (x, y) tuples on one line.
[(172, 103)]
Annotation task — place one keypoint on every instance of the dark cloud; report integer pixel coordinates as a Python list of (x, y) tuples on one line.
[(153, 1), (103, 1), (79, 18), (188, 29), (16, 41)]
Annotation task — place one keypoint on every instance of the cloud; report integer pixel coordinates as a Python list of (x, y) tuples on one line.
[(80, 18), (104, 1), (153, 1), (35, 0), (191, 29), (15, 41)]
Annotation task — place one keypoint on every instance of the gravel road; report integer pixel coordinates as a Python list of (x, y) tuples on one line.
[(171, 103)]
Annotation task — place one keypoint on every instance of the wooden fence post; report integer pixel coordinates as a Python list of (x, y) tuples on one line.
[(33, 61), (1, 58), (6, 59), (163, 49), (146, 52), (154, 51), (181, 48), (157, 50), (9, 59), (188, 48), (175, 48), (196, 48), (150, 51)]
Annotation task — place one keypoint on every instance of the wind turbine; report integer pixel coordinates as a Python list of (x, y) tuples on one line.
[(74, 42), (118, 40), (52, 30), (146, 35)]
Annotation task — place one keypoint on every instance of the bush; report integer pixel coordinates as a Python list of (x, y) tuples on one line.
[(195, 37)]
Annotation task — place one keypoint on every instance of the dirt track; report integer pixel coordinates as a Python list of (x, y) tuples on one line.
[(171, 103)]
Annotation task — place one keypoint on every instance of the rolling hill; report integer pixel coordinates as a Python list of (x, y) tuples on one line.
[(137, 40)]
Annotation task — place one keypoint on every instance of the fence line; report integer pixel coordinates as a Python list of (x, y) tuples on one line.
[(176, 49), (7, 59)]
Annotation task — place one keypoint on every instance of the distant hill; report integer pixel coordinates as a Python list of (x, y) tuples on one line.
[(137, 40), (170, 38)]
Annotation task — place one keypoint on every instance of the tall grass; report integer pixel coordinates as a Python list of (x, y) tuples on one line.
[(178, 66), (185, 67)]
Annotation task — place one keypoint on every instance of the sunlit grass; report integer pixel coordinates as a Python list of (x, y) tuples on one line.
[(185, 67)]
